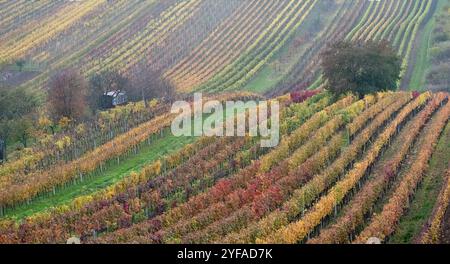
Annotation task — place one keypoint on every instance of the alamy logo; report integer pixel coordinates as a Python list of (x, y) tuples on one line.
[(211, 119)]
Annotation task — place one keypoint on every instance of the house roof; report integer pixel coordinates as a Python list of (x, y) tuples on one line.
[(114, 93)]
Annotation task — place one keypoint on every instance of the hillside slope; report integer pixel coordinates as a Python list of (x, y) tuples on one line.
[(338, 162), (205, 45)]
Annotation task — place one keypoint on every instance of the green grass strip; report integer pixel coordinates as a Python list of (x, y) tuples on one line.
[(112, 174), (423, 54), (426, 196)]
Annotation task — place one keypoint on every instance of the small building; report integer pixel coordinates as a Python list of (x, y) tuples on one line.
[(114, 98)]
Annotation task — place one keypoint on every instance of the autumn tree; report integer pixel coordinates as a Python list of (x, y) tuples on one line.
[(23, 130), (15, 105), (148, 83), (104, 82), (44, 123), (361, 67), (67, 95), (16, 102)]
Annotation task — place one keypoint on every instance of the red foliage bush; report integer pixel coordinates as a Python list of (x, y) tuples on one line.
[(300, 96)]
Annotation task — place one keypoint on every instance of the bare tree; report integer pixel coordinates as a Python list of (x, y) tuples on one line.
[(67, 95), (148, 83)]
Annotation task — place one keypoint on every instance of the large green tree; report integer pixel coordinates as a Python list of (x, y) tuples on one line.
[(16, 107), (361, 67)]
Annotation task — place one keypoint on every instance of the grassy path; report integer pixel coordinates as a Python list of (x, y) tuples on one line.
[(421, 61), (279, 65), (425, 197), (113, 173)]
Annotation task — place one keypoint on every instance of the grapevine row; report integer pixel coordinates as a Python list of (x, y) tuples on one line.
[(299, 230), (265, 183), (433, 235), (154, 32), (226, 46), (363, 202), (192, 207), (235, 75), (139, 179), (383, 225), (217, 209), (225, 29), (151, 192), (268, 199), (47, 30), (304, 196), (17, 189), (76, 140)]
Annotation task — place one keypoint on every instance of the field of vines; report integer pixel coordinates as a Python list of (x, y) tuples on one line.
[(346, 169), (398, 22), (204, 45)]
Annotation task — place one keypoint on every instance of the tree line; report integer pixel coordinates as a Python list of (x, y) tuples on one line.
[(70, 99)]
